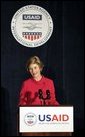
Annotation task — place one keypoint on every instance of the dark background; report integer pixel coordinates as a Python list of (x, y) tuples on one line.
[(62, 54)]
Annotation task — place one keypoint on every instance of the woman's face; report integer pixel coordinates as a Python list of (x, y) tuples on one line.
[(35, 70)]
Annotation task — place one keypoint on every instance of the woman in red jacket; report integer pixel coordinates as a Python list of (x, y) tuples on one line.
[(37, 90)]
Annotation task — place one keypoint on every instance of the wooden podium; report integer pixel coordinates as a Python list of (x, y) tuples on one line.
[(47, 134), (37, 133)]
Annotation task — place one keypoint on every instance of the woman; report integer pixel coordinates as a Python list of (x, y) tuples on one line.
[(37, 90)]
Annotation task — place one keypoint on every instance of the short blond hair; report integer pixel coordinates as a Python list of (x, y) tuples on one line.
[(34, 60)]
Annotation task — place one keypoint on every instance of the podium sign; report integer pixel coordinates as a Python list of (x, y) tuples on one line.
[(46, 119)]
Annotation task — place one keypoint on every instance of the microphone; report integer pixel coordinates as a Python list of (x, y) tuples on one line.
[(48, 94), (40, 93)]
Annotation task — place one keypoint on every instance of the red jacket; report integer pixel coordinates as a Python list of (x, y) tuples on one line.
[(29, 94)]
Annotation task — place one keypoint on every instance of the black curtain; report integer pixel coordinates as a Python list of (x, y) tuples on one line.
[(62, 55)]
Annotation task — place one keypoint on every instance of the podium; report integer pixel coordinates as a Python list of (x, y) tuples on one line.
[(45, 121)]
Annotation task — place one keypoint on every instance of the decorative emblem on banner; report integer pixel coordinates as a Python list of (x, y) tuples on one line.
[(32, 26), (30, 119)]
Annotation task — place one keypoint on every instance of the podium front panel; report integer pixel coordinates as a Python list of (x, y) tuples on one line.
[(46, 120)]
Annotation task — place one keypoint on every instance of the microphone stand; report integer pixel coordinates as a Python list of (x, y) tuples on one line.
[(44, 98)]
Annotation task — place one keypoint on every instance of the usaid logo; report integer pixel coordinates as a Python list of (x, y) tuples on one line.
[(32, 26), (31, 119)]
